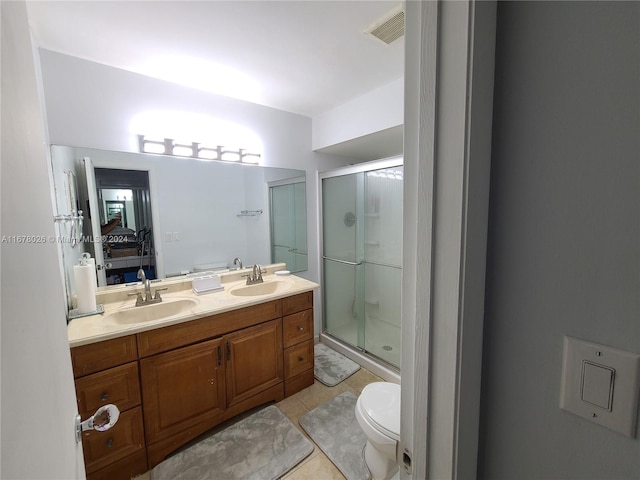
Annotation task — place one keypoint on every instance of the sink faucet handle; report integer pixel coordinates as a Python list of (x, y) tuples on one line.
[(139, 299), (156, 295)]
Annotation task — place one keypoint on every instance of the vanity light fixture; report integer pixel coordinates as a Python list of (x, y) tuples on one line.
[(209, 153), (151, 146), (230, 155), (184, 150), (168, 146), (251, 158)]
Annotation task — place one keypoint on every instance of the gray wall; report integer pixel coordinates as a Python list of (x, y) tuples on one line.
[(564, 237)]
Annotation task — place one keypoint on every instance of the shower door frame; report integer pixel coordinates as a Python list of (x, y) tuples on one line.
[(370, 361)]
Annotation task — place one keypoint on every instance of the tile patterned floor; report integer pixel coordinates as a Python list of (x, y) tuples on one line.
[(316, 466)]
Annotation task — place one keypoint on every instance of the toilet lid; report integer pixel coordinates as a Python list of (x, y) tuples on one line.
[(381, 402)]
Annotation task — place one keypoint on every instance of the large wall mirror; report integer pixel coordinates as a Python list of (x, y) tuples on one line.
[(182, 214)]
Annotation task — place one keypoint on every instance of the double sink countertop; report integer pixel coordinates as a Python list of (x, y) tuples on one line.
[(179, 304)]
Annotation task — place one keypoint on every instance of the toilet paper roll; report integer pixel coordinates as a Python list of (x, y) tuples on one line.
[(85, 277)]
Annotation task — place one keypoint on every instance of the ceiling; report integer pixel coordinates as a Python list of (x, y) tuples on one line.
[(304, 57)]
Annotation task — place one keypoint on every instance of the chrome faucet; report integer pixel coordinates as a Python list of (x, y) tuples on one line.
[(256, 277), (237, 261), (148, 298), (147, 285)]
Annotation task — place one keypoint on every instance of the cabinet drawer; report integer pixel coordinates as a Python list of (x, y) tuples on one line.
[(118, 385), (102, 355), (298, 327), (297, 359), (124, 439), (125, 469), (297, 303)]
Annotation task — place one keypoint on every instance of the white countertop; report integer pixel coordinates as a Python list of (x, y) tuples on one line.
[(96, 328)]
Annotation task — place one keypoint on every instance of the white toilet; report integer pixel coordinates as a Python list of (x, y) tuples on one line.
[(378, 413)]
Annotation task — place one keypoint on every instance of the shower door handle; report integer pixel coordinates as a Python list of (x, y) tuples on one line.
[(355, 264)]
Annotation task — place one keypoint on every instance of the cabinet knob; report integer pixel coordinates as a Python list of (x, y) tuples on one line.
[(109, 443), (301, 359), (301, 329), (104, 397)]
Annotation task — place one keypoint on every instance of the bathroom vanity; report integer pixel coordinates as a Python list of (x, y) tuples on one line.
[(175, 378)]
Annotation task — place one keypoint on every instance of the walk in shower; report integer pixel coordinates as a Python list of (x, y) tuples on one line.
[(362, 257)]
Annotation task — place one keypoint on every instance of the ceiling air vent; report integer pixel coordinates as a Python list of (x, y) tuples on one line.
[(390, 27)]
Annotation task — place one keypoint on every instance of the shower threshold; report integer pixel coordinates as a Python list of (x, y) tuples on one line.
[(372, 363)]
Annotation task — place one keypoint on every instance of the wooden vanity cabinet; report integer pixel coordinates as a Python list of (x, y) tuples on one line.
[(174, 383), (107, 372)]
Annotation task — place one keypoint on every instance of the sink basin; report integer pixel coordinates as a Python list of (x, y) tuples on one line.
[(149, 313), (265, 288)]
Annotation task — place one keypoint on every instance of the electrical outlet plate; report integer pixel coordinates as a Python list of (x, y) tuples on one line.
[(601, 384)]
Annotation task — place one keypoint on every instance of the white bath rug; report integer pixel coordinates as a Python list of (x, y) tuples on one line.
[(263, 446), (331, 367), (334, 428)]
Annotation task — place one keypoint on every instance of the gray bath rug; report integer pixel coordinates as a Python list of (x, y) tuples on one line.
[(262, 446), (334, 428), (331, 367)]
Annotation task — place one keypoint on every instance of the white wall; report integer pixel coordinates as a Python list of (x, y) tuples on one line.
[(564, 232), (38, 396), (375, 111)]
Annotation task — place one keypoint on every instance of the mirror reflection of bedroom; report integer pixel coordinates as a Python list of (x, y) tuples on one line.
[(125, 223)]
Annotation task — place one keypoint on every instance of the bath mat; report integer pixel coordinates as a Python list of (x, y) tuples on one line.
[(331, 367), (334, 428), (262, 446)]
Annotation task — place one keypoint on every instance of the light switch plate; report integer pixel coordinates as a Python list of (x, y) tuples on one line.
[(586, 384), (597, 384)]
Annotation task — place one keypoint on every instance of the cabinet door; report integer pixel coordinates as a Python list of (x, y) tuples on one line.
[(182, 388), (254, 360)]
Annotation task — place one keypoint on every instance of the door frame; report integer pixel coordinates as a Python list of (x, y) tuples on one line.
[(153, 201), (450, 49)]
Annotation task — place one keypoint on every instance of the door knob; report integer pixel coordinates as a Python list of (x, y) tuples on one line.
[(104, 418)]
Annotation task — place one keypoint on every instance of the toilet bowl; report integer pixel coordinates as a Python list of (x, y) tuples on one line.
[(378, 414)]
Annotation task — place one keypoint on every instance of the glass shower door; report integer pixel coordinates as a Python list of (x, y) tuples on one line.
[(382, 261), (342, 258), (362, 259)]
